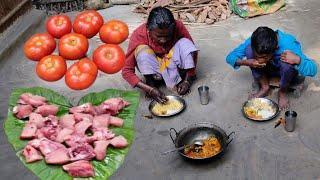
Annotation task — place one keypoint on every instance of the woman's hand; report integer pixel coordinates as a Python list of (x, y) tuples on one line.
[(183, 88), (157, 95), (154, 93)]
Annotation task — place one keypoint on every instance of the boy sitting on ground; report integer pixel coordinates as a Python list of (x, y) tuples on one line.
[(272, 53)]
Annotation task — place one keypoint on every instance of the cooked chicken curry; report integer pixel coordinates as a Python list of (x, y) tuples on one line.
[(211, 147)]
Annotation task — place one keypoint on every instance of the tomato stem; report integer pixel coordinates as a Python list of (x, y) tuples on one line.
[(88, 19), (60, 22), (38, 43), (73, 42)]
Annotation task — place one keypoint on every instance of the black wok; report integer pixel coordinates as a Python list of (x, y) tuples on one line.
[(200, 131)]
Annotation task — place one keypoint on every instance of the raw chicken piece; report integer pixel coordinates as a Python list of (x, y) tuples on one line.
[(115, 121), (22, 111), (81, 152), (37, 119), (116, 104), (119, 142), (102, 109), (91, 139), (22, 102), (59, 156), (49, 131), (48, 109), (31, 154), (47, 146), (84, 108), (51, 128), (101, 121), (51, 121), (39, 134), (79, 169), (33, 100), (81, 116), (82, 126), (63, 134), (105, 120), (36, 142), (29, 131), (75, 139), (100, 149), (67, 121), (102, 134)]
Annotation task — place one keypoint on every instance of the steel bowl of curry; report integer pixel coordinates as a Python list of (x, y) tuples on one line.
[(214, 141)]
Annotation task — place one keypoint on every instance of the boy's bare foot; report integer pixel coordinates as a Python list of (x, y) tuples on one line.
[(283, 100), (264, 84), (263, 92)]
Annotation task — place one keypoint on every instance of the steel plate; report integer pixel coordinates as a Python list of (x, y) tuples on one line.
[(269, 113), (179, 99)]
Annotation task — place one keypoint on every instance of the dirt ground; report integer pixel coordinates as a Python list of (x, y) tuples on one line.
[(258, 151)]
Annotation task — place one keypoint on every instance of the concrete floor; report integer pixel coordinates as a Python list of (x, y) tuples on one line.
[(258, 151)]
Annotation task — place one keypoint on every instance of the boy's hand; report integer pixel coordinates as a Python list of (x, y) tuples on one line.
[(255, 64), (290, 58)]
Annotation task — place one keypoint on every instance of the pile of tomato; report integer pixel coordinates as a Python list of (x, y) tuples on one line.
[(108, 58)]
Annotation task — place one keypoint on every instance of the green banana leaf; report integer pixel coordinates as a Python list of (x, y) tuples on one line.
[(103, 169)]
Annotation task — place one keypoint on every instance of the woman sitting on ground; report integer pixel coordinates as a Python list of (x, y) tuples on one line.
[(163, 52)]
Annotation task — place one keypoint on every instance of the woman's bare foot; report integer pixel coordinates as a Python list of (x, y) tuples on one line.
[(283, 100)]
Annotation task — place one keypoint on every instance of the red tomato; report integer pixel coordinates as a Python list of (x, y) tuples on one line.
[(81, 74), (39, 46), (114, 32), (59, 25), (109, 58), (88, 23), (51, 68), (73, 46)]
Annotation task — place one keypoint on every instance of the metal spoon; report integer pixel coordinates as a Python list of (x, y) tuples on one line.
[(197, 143)]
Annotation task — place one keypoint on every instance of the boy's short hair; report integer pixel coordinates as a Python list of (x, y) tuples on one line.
[(264, 41)]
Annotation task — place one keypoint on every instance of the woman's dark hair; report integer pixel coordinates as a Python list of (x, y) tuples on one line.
[(160, 17), (264, 40)]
